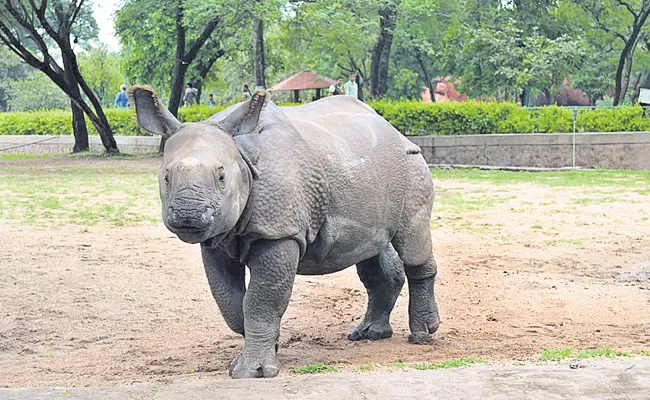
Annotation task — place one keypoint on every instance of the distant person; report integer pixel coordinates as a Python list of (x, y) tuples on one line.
[(245, 93), (190, 94), (121, 101), (351, 87), (337, 88), (210, 100)]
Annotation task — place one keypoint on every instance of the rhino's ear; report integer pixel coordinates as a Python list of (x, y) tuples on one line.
[(248, 117), (150, 113)]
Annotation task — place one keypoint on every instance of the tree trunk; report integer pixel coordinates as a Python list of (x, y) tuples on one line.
[(180, 68), (628, 51), (203, 67), (381, 50), (427, 77), (258, 54), (547, 94), (79, 129), (99, 120), (359, 79)]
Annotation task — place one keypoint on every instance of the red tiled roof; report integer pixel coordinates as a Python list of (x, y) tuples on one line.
[(303, 81)]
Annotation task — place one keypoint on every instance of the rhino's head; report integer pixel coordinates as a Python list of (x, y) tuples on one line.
[(204, 179)]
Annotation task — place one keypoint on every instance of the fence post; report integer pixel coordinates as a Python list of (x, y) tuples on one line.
[(575, 117)]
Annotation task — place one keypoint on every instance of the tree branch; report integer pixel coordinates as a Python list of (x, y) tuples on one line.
[(75, 13), (607, 29), (200, 41), (31, 31), (629, 8)]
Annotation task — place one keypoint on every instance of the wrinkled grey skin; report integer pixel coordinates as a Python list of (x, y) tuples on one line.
[(299, 190)]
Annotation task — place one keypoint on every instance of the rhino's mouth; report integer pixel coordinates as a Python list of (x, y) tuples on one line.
[(192, 236)]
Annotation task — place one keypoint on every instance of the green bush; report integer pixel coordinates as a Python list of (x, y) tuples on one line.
[(410, 117), (59, 122)]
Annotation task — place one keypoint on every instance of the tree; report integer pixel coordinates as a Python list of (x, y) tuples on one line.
[(148, 29), (623, 20), (506, 64), (419, 44), (381, 51), (26, 27), (101, 69)]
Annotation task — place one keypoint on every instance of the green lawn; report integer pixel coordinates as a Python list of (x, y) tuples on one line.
[(79, 195)]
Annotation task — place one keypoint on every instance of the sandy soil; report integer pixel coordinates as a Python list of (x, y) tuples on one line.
[(107, 305)]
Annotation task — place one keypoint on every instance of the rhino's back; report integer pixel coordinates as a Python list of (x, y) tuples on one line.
[(364, 162)]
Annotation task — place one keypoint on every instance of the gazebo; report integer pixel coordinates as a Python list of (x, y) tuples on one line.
[(305, 80)]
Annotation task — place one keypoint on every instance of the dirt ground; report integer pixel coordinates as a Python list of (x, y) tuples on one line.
[(539, 268)]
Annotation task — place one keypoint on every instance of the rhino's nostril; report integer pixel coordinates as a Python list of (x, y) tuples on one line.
[(171, 214)]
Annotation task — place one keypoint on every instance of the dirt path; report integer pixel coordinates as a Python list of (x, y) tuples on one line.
[(629, 381), (104, 305)]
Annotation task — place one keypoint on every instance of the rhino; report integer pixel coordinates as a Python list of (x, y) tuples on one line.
[(308, 190)]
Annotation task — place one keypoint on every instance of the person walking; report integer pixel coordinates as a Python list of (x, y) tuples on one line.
[(351, 87), (337, 88), (121, 100), (190, 94)]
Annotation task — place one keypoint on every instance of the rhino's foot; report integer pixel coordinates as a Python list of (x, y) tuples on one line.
[(370, 331), (246, 367), (429, 325)]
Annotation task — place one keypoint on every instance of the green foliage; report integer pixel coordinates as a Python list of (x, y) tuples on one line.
[(197, 113), (101, 70), (409, 117), (314, 369), (11, 69), (34, 92), (59, 122)]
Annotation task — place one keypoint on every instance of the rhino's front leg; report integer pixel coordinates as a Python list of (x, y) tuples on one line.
[(273, 267), (226, 278)]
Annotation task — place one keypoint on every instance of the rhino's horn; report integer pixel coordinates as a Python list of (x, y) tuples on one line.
[(248, 117), (150, 113)]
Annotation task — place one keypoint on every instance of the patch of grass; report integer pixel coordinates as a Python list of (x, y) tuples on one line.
[(457, 202), (536, 227), (555, 354), (454, 363), (556, 242), (82, 196), (26, 156), (601, 352), (314, 369), (619, 178), (365, 367), (600, 200), (562, 354), (400, 365)]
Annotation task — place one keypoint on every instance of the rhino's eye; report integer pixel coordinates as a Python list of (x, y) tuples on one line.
[(166, 177), (222, 179)]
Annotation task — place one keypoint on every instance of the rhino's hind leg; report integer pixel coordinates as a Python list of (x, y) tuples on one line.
[(423, 310), (383, 277), (414, 246)]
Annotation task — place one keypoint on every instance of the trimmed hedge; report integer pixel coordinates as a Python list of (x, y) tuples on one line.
[(470, 118), (59, 122), (410, 117)]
